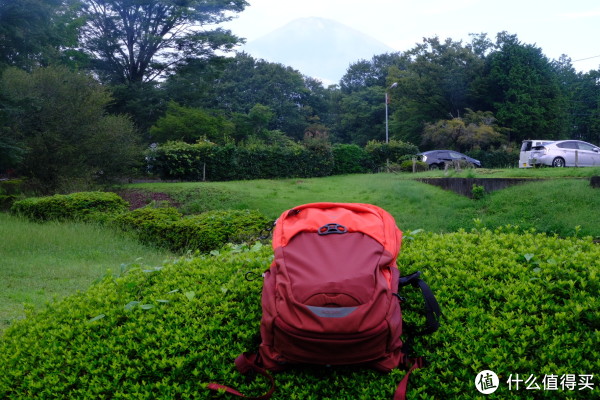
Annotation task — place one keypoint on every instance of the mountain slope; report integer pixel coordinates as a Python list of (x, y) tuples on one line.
[(317, 47)]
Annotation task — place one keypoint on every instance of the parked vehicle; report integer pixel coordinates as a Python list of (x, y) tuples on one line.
[(438, 158), (566, 153), (526, 147)]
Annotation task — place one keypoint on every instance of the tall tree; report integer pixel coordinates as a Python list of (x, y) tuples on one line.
[(247, 82), (142, 40), (60, 118), (582, 100), (523, 91), (37, 32), (435, 85)]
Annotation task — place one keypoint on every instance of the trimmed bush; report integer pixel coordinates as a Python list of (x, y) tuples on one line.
[(10, 191), (81, 206), (350, 159), (500, 158), (167, 228), (213, 229), (395, 151), (407, 166), (515, 303)]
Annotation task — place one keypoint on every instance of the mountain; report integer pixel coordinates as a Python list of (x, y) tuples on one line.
[(317, 47)]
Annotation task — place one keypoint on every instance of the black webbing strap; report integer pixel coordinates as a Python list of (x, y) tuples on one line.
[(432, 308)]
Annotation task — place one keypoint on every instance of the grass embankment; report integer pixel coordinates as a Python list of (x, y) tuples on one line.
[(46, 261)]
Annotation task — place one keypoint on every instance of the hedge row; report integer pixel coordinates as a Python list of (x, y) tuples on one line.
[(498, 158), (207, 161), (163, 227), (81, 206), (514, 303), (167, 228)]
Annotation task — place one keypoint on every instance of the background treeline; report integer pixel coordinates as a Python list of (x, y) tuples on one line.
[(87, 85)]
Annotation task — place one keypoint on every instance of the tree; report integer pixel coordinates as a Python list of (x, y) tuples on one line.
[(246, 82), (362, 116), (37, 32), (59, 117), (142, 40), (477, 130), (190, 125), (581, 94), (435, 85), (374, 72), (523, 91)]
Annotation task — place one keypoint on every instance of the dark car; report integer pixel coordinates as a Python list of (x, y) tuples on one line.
[(438, 158)]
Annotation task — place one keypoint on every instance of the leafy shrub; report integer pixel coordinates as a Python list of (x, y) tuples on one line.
[(213, 229), (10, 191), (350, 159), (394, 151), (84, 206), (420, 166), (515, 303), (477, 192), (166, 227), (500, 158)]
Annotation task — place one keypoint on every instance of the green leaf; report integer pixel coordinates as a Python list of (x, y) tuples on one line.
[(96, 318), (146, 306), (190, 295), (131, 304)]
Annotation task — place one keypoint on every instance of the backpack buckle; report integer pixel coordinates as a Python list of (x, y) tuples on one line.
[(332, 228)]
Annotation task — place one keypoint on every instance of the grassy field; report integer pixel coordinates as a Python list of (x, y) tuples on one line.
[(41, 262)]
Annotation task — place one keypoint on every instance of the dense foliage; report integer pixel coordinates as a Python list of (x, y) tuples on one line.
[(513, 302)]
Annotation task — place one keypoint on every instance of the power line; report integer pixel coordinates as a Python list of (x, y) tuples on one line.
[(589, 58)]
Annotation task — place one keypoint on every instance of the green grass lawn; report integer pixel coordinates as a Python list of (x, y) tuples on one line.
[(42, 262)]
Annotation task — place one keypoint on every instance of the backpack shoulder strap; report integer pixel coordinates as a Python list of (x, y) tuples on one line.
[(247, 363), (432, 308)]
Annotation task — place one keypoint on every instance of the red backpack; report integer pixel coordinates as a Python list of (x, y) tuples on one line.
[(331, 297)]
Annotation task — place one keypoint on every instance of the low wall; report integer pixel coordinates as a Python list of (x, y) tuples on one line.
[(464, 186)]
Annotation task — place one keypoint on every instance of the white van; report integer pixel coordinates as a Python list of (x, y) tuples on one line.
[(526, 150)]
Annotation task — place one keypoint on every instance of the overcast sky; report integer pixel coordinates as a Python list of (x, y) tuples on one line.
[(570, 27)]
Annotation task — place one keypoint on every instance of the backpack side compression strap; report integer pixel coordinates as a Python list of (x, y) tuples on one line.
[(247, 363)]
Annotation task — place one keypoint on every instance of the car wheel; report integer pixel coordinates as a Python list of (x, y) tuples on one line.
[(434, 166), (558, 162)]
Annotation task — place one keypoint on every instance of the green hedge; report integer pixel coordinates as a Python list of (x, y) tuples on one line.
[(351, 159), (515, 303), (193, 162), (167, 228), (83, 206), (395, 151), (178, 160), (499, 158)]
